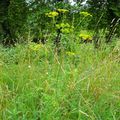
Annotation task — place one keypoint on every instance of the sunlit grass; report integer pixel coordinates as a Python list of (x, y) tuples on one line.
[(40, 84)]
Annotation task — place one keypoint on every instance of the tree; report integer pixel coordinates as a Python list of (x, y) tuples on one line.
[(105, 13), (113, 8), (4, 29), (13, 15), (17, 17)]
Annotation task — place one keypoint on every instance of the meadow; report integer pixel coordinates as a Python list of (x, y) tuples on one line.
[(37, 83), (59, 61)]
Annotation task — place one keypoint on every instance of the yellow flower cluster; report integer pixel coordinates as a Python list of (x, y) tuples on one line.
[(35, 47), (62, 10), (70, 53), (62, 25), (52, 14), (85, 14), (65, 27), (85, 36)]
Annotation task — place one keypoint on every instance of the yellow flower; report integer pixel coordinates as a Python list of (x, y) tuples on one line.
[(62, 10), (62, 25), (35, 47), (70, 53), (65, 27), (52, 14), (85, 14), (85, 36), (65, 30)]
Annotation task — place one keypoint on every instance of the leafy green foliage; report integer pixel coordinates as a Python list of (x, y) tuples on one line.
[(17, 17)]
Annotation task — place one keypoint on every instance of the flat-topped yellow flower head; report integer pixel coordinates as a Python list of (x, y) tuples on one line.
[(35, 47), (62, 10), (62, 25), (52, 14), (65, 27), (70, 53), (85, 14), (85, 36)]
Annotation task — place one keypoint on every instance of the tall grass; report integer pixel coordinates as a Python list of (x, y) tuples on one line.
[(80, 83)]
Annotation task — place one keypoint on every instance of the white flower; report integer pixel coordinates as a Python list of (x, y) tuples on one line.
[(29, 66)]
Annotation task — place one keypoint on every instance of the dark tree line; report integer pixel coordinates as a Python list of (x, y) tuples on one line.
[(107, 13), (4, 25), (13, 16)]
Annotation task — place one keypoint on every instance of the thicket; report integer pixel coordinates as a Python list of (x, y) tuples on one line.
[(19, 18)]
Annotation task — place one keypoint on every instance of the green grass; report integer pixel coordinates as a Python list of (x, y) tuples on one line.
[(41, 85)]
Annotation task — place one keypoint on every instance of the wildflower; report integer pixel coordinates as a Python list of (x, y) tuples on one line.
[(52, 14), (85, 36), (65, 30), (35, 47), (29, 66), (62, 10), (70, 53), (85, 14), (64, 27), (47, 73)]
